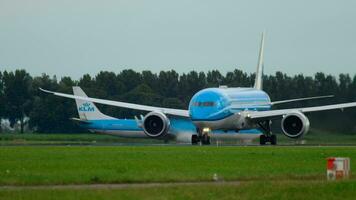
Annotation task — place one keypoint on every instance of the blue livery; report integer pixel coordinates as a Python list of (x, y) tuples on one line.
[(218, 103)]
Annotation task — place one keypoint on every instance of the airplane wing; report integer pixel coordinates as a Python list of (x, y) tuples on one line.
[(258, 115), (170, 111), (300, 99)]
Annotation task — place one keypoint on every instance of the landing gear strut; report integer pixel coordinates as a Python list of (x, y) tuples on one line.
[(267, 133), (203, 137), (195, 139)]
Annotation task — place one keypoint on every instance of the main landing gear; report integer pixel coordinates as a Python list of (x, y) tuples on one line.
[(203, 137), (267, 136)]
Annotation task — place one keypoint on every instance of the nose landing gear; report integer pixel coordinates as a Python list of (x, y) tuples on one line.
[(195, 139), (203, 137)]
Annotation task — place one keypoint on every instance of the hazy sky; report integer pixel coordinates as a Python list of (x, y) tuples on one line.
[(66, 37)]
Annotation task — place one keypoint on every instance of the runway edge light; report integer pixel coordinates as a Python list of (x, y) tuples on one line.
[(337, 168)]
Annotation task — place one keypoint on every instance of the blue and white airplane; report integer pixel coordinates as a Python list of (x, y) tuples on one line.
[(213, 112), (180, 129)]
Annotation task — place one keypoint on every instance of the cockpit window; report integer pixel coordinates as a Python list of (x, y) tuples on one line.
[(204, 104)]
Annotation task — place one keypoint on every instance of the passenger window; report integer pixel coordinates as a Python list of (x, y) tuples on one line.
[(204, 104)]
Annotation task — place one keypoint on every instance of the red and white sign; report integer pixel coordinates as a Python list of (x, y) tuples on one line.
[(338, 168)]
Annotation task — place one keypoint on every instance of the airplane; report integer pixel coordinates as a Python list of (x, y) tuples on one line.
[(180, 129), (217, 111)]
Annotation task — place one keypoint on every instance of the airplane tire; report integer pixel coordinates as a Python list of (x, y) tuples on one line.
[(195, 140), (273, 139), (263, 139), (205, 139)]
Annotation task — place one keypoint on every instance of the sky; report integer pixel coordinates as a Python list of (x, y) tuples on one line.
[(72, 38)]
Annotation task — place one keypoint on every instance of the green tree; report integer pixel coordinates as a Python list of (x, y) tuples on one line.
[(190, 84), (2, 100), (86, 81), (169, 81), (282, 87), (108, 84), (50, 114), (17, 92), (174, 103), (151, 80), (214, 78), (344, 92), (237, 78), (352, 89), (43, 116), (130, 79), (142, 94)]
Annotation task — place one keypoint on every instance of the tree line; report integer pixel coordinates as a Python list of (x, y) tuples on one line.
[(24, 104)]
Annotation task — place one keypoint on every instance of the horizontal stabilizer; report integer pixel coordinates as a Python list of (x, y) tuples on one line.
[(80, 120)]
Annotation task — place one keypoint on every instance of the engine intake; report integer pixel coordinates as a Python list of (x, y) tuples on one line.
[(295, 125), (156, 124)]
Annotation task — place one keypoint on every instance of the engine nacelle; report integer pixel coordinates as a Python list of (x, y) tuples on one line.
[(295, 125), (156, 124)]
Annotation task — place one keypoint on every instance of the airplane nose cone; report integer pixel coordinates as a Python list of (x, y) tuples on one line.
[(207, 105)]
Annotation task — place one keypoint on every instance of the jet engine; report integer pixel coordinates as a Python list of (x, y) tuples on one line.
[(295, 125), (156, 124)]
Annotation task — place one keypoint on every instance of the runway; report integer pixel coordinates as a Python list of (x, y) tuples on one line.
[(118, 185), (175, 145)]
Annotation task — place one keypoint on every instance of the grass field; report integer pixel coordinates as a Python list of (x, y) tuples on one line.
[(250, 190), (263, 172), (67, 138)]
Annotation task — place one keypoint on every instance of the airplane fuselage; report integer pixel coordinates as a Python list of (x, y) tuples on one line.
[(224, 108), (213, 108), (181, 129)]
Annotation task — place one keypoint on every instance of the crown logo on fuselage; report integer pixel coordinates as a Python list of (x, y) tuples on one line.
[(86, 107)]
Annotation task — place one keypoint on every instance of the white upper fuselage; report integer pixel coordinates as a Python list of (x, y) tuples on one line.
[(223, 108)]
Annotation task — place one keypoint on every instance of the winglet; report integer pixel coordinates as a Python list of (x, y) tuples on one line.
[(46, 91), (259, 72)]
